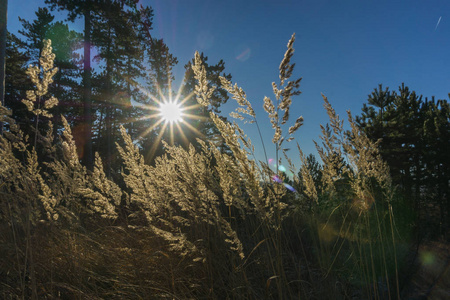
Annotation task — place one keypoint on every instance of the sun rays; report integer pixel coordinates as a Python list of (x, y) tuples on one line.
[(168, 118)]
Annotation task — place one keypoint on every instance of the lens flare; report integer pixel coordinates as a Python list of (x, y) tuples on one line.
[(276, 179), (290, 188)]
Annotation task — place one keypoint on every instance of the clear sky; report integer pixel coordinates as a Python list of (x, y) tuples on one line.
[(344, 49)]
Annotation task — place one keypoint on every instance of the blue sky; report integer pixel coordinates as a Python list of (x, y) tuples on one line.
[(344, 49)]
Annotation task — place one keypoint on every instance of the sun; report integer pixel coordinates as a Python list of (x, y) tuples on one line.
[(171, 117), (171, 112), (165, 115)]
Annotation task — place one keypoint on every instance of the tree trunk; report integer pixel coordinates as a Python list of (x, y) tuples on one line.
[(87, 155), (3, 22), (109, 107)]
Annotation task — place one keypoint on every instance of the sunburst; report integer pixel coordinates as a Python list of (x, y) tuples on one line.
[(171, 112), (171, 116)]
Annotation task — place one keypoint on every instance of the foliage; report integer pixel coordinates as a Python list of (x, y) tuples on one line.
[(16, 81), (413, 139), (120, 51), (199, 222)]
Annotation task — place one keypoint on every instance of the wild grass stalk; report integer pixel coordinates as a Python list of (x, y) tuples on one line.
[(199, 223)]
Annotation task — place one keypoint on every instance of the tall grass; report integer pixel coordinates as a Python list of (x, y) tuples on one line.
[(199, 223)]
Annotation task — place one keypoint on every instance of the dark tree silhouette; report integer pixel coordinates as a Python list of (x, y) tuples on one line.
[(414, 134), (3, 30)]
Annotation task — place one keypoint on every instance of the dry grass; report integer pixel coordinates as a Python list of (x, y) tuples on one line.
[(199, 224)]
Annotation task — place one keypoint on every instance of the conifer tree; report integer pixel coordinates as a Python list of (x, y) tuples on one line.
[(117, 29), (17, 81), (35, 32), (435, 171), (413, 136), (395, 124), (108, 31), (83, 8), (121, 37)]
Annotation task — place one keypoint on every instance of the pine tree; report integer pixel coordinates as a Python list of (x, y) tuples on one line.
[(117, 29), (78, 8), (395, 124), (35, 32), (17, 81), (435, 160), (109, 30), (414, 135), (122, 36)]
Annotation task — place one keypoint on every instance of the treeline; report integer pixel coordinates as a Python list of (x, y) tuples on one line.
[(133, 73), (413, 135)]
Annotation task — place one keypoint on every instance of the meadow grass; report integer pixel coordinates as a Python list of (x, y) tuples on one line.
[(199, 223)]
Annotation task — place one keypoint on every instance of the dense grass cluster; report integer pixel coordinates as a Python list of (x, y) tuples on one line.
[(199, 223)]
